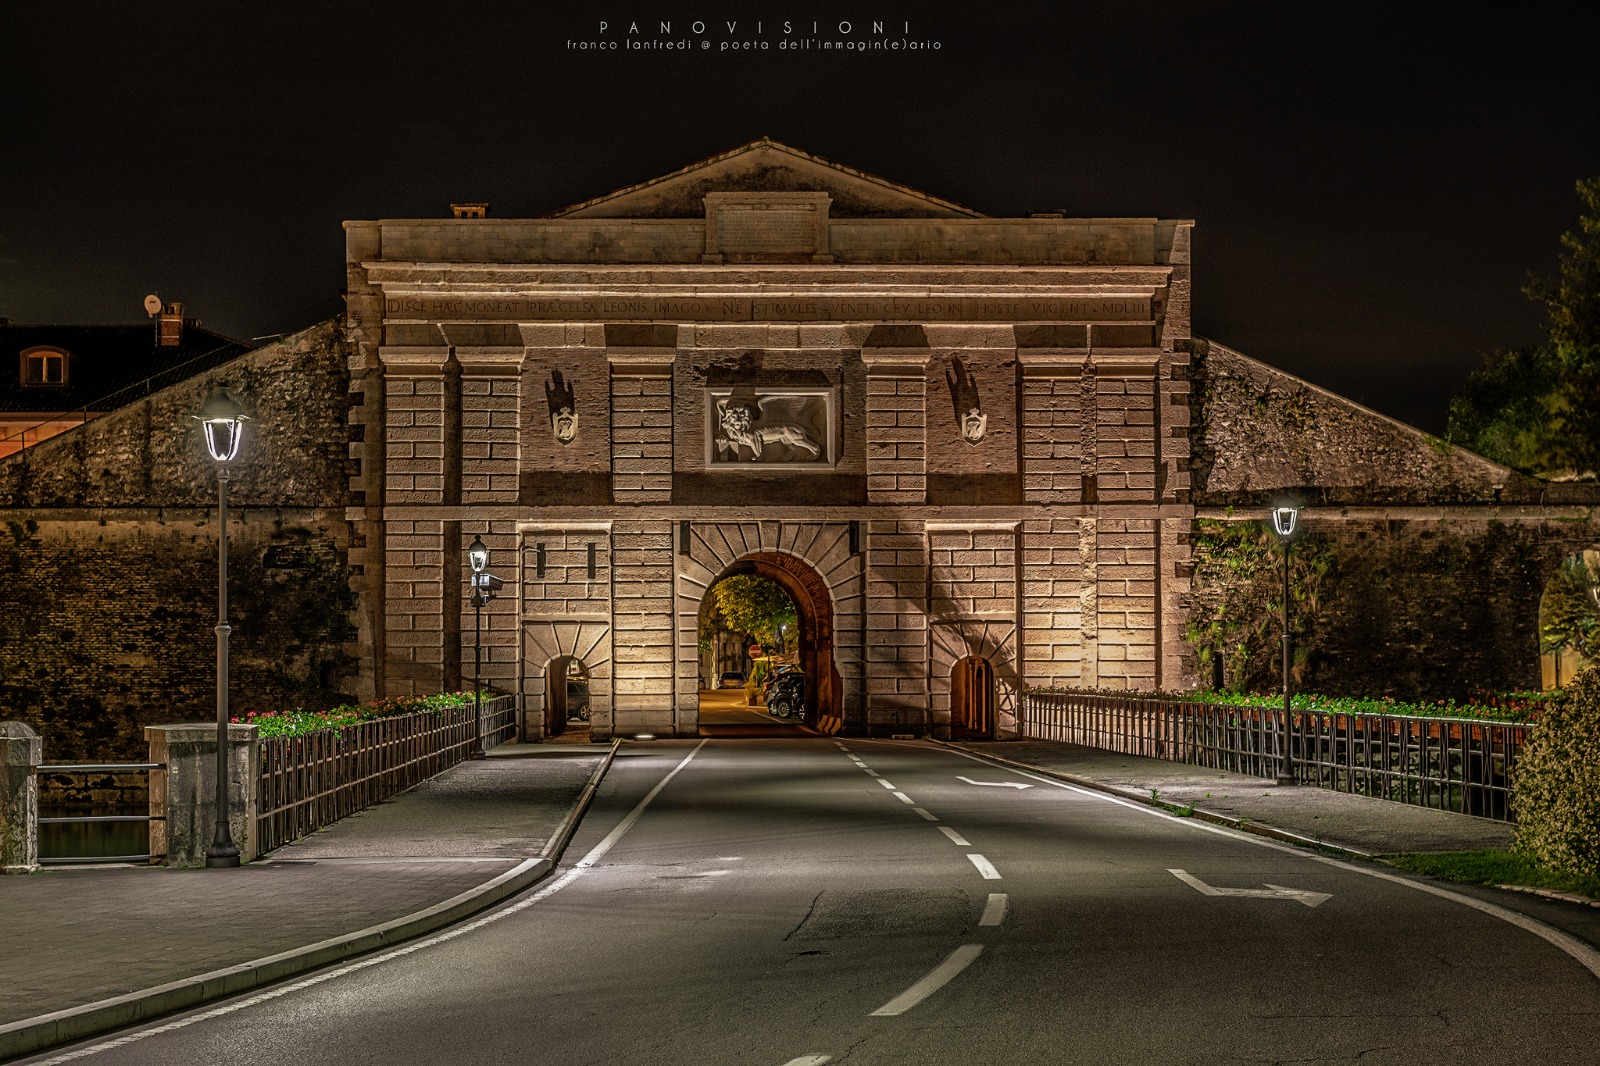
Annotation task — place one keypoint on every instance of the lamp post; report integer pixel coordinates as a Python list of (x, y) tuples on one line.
[(1283, 520), (478, 559), (223, 421)]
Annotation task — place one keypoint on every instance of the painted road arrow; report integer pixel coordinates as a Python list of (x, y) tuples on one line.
[(993, 784), (1299, 895)]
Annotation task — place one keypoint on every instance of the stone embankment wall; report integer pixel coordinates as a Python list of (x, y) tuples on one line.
[(1418, 569), (108, 559)]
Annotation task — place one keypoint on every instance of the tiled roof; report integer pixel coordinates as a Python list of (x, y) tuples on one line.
[(107, 366)]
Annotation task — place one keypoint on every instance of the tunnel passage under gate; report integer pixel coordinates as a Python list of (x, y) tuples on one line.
[(813, 605)]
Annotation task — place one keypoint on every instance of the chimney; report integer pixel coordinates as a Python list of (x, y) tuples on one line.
[(470, 210), (169, 325)]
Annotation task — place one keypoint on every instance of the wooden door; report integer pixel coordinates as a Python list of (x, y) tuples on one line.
[(972, 698)]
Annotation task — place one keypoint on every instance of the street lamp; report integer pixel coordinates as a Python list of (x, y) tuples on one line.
[(223, 421), (484, 585), (1283, 520)]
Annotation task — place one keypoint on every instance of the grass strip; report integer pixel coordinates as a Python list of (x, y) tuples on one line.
[(1494, 868)]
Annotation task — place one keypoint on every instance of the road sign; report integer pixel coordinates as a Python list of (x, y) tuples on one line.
[(755, 651)]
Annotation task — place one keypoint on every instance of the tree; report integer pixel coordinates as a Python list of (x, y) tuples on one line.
[(744, 603), (1505, 412), (1538, 409)]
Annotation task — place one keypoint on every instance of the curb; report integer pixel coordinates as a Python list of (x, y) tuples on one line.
[(1200, 813), (76, 1023)]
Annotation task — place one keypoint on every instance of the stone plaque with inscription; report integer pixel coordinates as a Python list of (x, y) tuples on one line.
[(767, 227)]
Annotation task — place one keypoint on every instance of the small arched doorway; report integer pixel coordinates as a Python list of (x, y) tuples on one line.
[(1569, 619), (972, 698), (813, 605), (566, 693)]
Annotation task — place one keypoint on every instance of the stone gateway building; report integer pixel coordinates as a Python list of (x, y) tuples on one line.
[(960, 443), (980, 454)]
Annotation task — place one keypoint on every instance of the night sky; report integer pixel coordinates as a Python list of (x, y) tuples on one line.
[(1372, 184)]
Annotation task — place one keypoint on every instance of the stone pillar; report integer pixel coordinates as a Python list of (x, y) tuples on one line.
[(897, 469), (184, 794), (641, 423), (21, 752)]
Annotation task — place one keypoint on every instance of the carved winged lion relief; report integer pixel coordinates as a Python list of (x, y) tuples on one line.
[(772, 429)]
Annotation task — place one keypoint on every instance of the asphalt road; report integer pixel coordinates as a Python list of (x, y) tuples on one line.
[(801, 902)]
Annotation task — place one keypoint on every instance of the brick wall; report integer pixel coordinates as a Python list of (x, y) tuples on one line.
[(642, 605), (1054, 436), (414, 459), (490, 439), (897, 633), (896, 439), (1055, 641), (1124, 437), (641, 437)]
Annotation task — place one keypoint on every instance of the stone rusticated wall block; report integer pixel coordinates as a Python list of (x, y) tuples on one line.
[(183, 797), (21, 752)]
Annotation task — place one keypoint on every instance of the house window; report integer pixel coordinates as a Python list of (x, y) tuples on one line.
[(44, 366)]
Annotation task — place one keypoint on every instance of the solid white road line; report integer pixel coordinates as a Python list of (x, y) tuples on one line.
[(885, 784), (903, 798), (594, 856), (1585, 955), (985, 867), (809, 1060), (925, 814), (994, 912), (955, 837), (936, 979)]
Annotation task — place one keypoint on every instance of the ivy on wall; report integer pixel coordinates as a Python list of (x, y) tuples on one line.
[(1236, 611)]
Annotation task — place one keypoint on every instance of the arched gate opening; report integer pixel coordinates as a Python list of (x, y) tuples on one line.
[(813, 603)]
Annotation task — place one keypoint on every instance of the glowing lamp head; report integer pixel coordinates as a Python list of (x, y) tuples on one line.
[(224, 425), (1283, 519), (478, 555)]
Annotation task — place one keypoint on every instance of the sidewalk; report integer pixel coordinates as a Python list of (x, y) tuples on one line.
[(74, 936), (1357, 824)]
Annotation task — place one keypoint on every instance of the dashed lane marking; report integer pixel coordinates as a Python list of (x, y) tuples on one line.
[(994, 912), (886, 784), (955, 837), (1582, 953), (985, 867), (809, 1060), (937, 978), (925, 814), (903, 798)]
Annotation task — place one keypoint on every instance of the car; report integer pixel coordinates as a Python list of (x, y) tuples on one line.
[(781, 670), (731, 679), (787, 696), (577, 700)]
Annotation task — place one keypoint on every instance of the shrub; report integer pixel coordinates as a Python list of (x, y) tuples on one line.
[(299, 722), (1556, 795)]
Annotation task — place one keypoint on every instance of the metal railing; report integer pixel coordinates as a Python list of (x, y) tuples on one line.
[(1453, 764), (311, 781), (99, 768)]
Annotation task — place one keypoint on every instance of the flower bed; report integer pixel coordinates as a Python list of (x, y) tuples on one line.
[(298, 722), (1497, 707)]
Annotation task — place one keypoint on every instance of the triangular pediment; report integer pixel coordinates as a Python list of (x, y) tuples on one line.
[(766, 166)]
